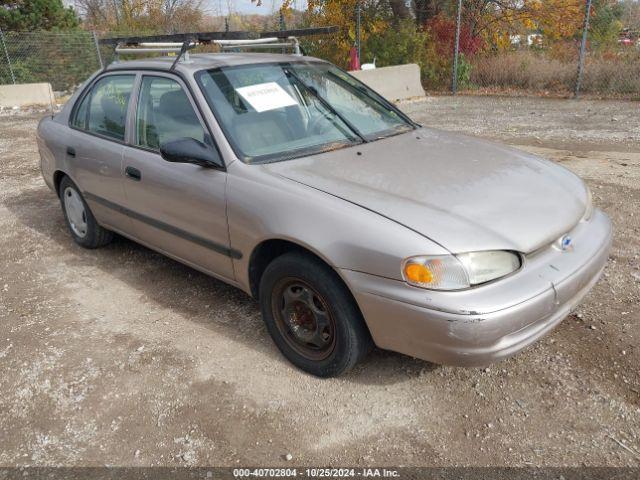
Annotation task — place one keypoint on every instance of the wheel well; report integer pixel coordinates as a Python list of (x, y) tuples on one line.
[(267, 252), (57, 178), (264, 254)]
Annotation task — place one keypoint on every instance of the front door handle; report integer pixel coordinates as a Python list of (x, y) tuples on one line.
[(71, 151), (133, 173)]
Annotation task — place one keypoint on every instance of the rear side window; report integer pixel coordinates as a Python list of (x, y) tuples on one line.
[(165, 114), (104, 109)]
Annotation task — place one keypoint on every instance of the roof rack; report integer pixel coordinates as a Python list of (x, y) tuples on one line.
[(181, 43)]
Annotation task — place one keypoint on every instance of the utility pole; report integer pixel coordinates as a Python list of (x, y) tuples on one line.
[(583, 48)]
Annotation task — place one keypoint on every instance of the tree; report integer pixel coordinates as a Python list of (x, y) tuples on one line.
[(425, 10), (631, 14), (29, 15), (607, 23), (400, 10), (142, 16)]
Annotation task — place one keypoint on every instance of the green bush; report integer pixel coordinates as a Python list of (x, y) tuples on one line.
[(464, 72), (409, 44), (400, 45), (395, 46)]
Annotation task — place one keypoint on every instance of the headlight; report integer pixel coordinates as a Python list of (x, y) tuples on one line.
[(589, 210), (456, 272)]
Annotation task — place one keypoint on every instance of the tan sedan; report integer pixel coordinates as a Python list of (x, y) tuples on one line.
[(352, 225)]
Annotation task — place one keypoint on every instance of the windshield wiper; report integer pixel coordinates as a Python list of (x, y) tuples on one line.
[(324, 103)]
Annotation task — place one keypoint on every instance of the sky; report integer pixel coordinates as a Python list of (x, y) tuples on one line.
[(221, 7), (246, 6)]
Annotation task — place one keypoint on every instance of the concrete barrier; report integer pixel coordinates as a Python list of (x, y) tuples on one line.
[(24, 94), (400, 82)]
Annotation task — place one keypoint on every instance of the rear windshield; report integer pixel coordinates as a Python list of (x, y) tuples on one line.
[(278, 111)]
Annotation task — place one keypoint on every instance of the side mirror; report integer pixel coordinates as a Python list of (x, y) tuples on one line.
[(190, 150)]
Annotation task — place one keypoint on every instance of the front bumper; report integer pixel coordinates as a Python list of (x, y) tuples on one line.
[(485, 324)]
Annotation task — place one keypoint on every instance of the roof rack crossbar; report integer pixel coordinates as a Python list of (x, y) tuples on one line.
[(261, 43), (199, 37), (156, 47), (161, 44), (147, 50), (247, 42)]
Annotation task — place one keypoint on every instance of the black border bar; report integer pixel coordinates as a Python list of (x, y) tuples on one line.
[(346, 473)]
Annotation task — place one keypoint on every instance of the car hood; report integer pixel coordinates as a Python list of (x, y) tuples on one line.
[(461, 192)]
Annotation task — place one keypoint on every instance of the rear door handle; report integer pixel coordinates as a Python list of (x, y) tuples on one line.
[(133, 173), (71, 151)]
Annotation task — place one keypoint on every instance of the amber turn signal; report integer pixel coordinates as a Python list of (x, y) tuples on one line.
[(417, 273)]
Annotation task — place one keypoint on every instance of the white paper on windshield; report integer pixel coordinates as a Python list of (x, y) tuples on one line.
[(266, 96)]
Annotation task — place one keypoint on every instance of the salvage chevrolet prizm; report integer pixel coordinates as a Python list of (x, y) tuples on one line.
[(352, 225)]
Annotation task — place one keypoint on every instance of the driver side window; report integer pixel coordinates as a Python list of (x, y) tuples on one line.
[(164, 114)]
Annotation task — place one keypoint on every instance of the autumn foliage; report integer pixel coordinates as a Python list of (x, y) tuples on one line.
[(442, 30)]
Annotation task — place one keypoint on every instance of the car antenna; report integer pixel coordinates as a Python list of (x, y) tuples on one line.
[(184, 53)]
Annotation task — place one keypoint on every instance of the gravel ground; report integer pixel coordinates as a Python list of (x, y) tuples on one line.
[(121, 356)]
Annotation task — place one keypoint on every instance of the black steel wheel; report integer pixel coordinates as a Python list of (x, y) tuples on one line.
[(311, 315), (303, 318)]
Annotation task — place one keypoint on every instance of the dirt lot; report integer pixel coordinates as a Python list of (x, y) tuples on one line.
[(121, 356)]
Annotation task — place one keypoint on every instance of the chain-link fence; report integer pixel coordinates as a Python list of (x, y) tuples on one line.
[(521, 71), (529, 61), (62, 59)]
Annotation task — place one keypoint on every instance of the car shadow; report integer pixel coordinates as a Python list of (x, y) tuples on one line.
[(196, 296)]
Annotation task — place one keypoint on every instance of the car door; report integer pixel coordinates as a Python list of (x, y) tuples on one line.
[(177, 208), (95, 145)]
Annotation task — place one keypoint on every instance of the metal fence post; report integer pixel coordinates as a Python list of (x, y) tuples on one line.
[(583, 48), (6, 54), (456, 54), (95, 40), (283, 27), (358, 29)]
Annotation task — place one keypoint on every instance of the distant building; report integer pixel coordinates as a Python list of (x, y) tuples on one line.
[(529, 40)]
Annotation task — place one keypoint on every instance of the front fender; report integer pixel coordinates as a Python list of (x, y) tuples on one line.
[(264, 206)]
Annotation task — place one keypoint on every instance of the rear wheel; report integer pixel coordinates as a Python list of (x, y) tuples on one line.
[(311, 315), (80, 221)]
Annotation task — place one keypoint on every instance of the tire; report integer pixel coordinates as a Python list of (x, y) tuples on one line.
[(79, 219), (311, 315)]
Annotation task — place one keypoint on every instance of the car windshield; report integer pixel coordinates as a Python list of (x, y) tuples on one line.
[(273, 112)]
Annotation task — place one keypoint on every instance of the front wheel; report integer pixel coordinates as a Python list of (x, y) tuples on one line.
[(311, 316), (80, 221)]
